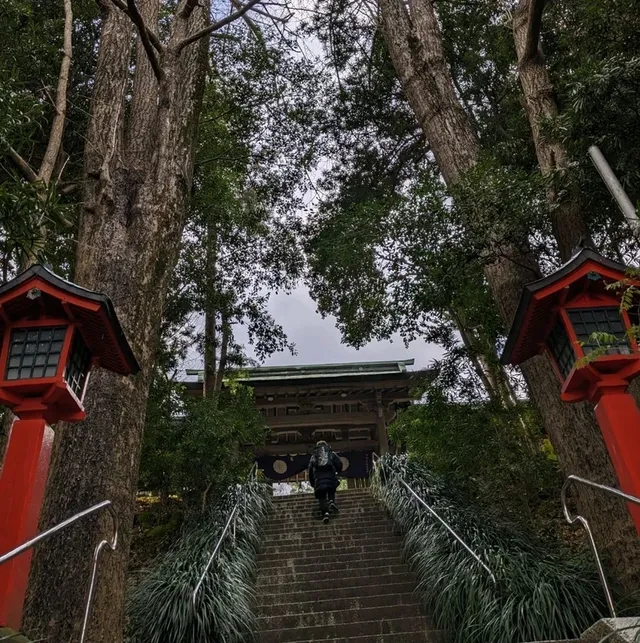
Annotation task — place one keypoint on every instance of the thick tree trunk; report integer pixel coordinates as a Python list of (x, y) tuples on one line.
[(569, 227), (415, 45), (133, 214)]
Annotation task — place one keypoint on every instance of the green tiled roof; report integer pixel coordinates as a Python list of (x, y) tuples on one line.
[(346, 369)]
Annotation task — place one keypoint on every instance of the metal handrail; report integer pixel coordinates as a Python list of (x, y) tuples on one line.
[(45, 535), (443, 522), (230, 520), (585, 523)]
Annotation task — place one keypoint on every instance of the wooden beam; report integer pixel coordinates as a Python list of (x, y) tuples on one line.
[(263, 403), (322, 420), (277, 402), (298, 389)]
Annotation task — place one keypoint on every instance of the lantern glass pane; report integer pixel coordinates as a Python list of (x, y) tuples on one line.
[(78, 367), (33, 353), (586, 321), (561, 349)]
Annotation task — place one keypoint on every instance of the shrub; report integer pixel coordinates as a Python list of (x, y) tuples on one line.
[(161, 608), (539, 594)]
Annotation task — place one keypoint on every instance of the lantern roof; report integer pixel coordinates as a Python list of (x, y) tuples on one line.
[(586, 272), (58, 299)]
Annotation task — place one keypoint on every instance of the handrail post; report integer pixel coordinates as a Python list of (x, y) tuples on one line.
[(94, 572), (585, 523), (45, 535)]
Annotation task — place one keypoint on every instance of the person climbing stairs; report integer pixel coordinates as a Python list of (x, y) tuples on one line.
[(342, 582)]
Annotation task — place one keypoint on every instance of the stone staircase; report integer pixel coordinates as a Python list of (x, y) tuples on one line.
[(344, 582)]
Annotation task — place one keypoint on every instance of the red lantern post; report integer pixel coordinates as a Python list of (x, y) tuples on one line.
[(52, 333), (557, 315)]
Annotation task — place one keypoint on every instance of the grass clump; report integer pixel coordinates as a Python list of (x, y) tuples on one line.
[(540, 594), (161, 610)]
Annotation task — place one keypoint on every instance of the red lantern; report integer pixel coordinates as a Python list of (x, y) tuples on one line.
[(558, 315), (53, 331)]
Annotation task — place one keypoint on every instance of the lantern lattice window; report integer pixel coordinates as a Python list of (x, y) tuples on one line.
[(78, 367), (560, 346), (34, 353), (586, 321)]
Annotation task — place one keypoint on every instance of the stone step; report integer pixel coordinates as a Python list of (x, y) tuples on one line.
[(397, 597), (414, 624), (330, 548), (9, 636), (342, 582), (313, 511), (338, 565), (363, 576), (330, 592), (300, 518), (312, 540), (337, 617), (336, 526), (398, 637), (308, 522), (301, 497), (310, 499)]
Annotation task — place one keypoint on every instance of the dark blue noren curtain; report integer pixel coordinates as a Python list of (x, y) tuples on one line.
[(356, 464)]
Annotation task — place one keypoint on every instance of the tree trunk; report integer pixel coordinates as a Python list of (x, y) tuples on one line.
[(210, 372), (224, 351), (492, 376), (134, 204), (569, 227), (210, 313), (415, 44)]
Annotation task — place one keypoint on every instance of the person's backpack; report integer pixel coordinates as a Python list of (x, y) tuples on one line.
[(323, 460)]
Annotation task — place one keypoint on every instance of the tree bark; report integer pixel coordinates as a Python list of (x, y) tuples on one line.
[(134, 204), (414, 41), (145, 94), (569, 227)]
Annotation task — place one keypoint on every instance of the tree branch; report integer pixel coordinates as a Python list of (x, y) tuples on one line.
[(27, 171), (187, 9), (232, 17), (534, 24), (148, 38), (57, 126), (250, 23)]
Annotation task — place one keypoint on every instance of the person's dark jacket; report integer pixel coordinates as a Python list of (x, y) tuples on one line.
[(324, 477)]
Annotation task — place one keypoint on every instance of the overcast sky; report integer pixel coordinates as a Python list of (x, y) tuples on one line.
[(318, 341)]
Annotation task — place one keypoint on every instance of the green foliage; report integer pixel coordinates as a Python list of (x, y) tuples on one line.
[(26, 209), (480, 447), (161, 608), (539, 594), (39, 220), (192, 445), (501, 206)]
